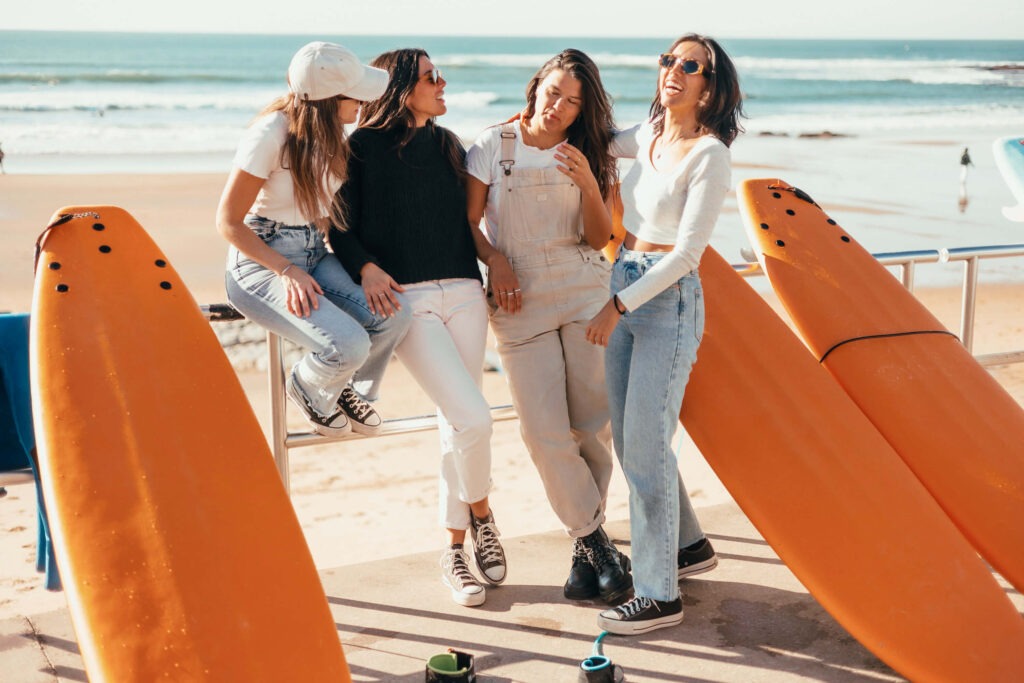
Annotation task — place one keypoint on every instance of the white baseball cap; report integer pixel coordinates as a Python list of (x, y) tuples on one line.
[(321, 70)]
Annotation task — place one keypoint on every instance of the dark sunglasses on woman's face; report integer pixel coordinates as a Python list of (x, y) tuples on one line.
[(690, 67), (433, 76)]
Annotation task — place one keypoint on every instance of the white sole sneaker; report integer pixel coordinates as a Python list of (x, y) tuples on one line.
[(466, 599), (699, 568), (641, 615), (635, 628), (354, 420), (332, 428)]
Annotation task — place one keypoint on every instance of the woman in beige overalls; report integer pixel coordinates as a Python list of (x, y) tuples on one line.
[(542, 181)]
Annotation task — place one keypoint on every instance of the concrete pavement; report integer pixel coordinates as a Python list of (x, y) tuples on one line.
[(748, 620)]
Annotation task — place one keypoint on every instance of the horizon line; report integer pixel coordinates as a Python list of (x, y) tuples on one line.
[(371, 34)]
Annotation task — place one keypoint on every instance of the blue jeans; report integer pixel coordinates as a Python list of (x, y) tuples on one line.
[(347, 342), (647, 364)]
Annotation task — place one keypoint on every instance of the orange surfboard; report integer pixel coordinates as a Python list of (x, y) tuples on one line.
[(180, 552), (836, 502), (954, 425)]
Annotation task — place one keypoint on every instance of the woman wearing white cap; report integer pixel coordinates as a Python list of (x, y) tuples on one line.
[(275, 211)]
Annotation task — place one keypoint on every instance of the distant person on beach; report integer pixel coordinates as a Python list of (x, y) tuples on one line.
[(653, 323), (2, 161), (405, 210), (276, 208), (543, 181), (965, 161)]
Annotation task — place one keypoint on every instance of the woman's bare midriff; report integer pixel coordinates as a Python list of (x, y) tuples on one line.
[(633, 244)]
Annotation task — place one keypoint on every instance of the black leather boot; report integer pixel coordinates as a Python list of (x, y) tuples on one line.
[(611, 566), (582, 581)]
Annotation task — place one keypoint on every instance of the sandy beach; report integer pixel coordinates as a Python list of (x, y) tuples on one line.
[(376, 498)]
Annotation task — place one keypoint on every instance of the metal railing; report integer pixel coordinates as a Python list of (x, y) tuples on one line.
[(282, 440)]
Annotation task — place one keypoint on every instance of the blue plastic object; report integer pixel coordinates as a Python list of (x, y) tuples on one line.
[(17, 440)]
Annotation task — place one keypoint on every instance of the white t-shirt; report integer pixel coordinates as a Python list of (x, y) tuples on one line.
[(260, 154), (678, 206), (482, 163)]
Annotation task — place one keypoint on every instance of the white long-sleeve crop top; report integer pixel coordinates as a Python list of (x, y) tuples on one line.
[(679, 206)]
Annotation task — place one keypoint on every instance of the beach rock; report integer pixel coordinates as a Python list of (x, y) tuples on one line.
[(824, 135)]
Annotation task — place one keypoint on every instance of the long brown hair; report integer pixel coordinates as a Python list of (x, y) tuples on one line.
[(315, 149), (721, 106), (390, 111), (592, 131)]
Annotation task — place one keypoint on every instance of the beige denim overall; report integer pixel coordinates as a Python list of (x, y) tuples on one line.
[(555, 375)]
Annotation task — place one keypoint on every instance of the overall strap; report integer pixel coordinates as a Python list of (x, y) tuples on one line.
[(506, 160), (508, 147)]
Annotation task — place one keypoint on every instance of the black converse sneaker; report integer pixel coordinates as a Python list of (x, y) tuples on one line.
[(466, 590), (641, 615), (488, 554), (335, 425), (363, 417), (696, 558)]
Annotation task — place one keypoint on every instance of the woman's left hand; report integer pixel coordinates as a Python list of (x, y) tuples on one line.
[(576, 166), (601, 326)]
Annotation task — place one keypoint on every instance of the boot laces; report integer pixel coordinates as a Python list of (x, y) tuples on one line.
[(601, 554)]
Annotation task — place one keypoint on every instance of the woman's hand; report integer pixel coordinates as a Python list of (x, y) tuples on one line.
[(601, 326), (301, 290), (504, 284), (379, 289), (576, 166)]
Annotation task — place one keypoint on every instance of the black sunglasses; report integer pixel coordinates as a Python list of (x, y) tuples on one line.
[(433, 76), (690, 67)]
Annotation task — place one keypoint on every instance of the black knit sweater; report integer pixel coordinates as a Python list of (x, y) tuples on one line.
[(406, 210)]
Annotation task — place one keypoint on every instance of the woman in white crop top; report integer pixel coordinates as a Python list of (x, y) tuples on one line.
[(275, 210), (653, 323)]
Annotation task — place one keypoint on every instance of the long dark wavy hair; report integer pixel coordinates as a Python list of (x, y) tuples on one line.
[(390, 111), (593, 128), (721, 106), (315, 148)]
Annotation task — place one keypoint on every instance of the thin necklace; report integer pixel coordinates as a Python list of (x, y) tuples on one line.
[(664, 145)]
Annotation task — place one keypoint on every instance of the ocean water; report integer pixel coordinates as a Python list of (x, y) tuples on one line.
[(117, 101)]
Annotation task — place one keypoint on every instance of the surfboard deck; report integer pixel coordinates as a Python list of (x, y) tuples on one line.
[(834, 500), (1009, 156), (181, 553), (953, 424)]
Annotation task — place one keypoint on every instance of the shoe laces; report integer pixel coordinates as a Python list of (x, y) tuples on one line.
[(635, 606), (579, 552), (357, 407), (488, 547), (457, 565), (601, 554)]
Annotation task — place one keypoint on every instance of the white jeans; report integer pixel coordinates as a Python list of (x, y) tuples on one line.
[(444, 352)]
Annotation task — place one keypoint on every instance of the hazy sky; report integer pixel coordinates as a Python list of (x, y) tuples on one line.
[(977, 19)]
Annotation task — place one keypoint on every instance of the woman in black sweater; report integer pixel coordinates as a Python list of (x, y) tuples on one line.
[(407, 232)]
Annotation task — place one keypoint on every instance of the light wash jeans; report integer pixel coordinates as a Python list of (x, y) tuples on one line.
[(647, 364), (444, 352), (347, 342)]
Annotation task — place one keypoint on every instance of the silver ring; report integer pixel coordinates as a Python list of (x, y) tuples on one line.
[(516, 291)]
